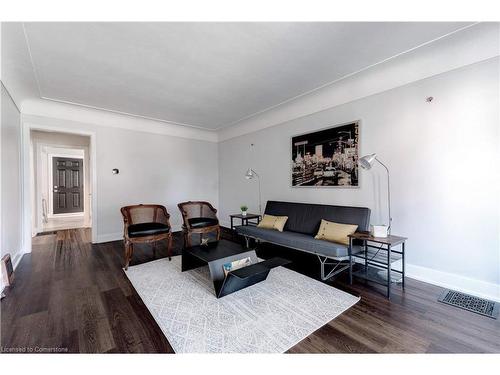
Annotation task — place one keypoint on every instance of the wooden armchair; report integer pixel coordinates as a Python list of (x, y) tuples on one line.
[(145, 223), (199, 217)]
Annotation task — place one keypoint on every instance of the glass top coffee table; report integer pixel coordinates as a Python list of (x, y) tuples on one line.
[(216, 254)]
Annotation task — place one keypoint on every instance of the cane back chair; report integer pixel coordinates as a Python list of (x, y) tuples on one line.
[(145, 223), (199, 218)]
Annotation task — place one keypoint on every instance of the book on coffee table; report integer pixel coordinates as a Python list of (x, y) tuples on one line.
[(237, 264)]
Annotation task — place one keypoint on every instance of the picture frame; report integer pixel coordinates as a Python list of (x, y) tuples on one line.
[(326, 157)]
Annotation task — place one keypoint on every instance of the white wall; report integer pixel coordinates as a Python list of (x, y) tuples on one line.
[(11, 233), (443, 158), (154, 168)]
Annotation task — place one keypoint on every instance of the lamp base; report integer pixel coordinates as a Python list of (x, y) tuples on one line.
[(380, 231)]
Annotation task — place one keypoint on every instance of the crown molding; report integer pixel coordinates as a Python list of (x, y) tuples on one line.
[(470, 45), (467, 46), (98, 117), (342, 78), (126, 113), (10, 96), (41, 96)]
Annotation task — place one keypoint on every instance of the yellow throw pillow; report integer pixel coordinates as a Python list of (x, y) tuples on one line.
[(273, 222), (335, 232)]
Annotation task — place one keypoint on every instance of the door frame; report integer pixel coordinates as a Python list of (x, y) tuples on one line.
[(28, 183), (43, 151)]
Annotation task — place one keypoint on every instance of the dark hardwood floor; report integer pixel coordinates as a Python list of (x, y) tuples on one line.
[(73, 296)]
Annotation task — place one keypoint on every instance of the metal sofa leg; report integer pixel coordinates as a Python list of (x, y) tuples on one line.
[(247, 242), (338, 266)]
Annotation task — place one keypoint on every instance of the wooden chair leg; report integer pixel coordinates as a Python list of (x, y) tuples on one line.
[(188, 240), (169, 247), (127, 254), (130, 252), (218, 233)]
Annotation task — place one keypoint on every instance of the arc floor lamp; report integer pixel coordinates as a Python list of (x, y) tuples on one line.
[(250, 175), (366, 162)]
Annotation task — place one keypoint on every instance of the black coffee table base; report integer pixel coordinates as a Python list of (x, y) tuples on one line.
[(218, 254)]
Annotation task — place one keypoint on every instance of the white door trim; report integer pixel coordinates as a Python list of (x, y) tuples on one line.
[(43, 150), (27, 183)]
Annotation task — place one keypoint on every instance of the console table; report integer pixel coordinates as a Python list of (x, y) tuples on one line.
[(377, 256)]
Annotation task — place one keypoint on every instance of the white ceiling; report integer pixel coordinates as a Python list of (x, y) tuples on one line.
[(208, 75)]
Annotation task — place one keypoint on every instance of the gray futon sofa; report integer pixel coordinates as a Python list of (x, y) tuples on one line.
[(303, 224)]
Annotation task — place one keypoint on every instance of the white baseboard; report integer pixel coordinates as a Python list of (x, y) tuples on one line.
[(451, 281), (16, 259), (225, 224), (109, 237), (176, 227), (118, 236), (64, 227), (456, 282)]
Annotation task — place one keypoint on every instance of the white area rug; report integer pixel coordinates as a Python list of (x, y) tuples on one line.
[(269, 317)]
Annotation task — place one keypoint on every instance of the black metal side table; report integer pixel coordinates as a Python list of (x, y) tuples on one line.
[(377, 254), (245, 219)]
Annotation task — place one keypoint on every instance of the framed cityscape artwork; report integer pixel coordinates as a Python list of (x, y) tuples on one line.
[(326, 158)]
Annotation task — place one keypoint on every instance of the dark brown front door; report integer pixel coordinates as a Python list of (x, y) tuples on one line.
[(68, 185)]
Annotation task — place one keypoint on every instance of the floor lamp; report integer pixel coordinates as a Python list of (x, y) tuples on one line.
[(250, 175), (366, 162)]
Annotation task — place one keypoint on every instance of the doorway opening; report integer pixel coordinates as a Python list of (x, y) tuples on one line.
[(61, 193)]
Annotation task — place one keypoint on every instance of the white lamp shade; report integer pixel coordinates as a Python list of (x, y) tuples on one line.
[(366, 161)]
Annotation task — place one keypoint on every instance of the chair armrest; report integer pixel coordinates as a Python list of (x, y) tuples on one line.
[(167, 217)]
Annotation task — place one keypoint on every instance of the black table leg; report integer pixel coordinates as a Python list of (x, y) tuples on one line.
[(233, 234), (389, 271), (366, 256), (403, 267), (350, 261), (190, 262)]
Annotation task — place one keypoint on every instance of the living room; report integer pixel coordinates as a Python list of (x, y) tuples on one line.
[(251, 187)]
